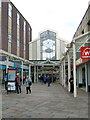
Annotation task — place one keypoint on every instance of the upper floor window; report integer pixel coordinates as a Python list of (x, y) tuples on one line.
[(18, 18), (9, 37), (10, 10), (0, 3), (88, 22), (24, 47), (24, 25), (83, 31), (17, 43), (29, 34)]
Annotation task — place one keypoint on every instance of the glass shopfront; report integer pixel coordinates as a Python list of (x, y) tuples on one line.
[(2, 73)]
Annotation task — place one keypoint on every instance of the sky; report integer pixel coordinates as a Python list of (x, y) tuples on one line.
[(62, 16)]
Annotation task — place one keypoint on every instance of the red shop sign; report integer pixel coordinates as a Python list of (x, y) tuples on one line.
[(85, 52)]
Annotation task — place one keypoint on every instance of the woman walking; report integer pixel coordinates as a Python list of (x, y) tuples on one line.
[(28, 84)]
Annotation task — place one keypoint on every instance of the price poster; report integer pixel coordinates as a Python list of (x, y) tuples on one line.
[(11, 75), (11, 86)]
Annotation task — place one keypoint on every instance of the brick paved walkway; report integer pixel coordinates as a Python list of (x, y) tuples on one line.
[(45, 102)]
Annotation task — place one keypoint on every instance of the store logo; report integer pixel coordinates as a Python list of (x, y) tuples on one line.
[(85, 52), (2, 59), (17, 65)]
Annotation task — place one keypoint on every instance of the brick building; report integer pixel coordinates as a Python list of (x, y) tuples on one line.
[(15, 35)]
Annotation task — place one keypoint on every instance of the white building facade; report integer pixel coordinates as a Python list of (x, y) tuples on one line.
[(47, 47)]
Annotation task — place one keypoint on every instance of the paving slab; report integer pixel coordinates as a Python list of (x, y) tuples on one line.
[(45, 102)]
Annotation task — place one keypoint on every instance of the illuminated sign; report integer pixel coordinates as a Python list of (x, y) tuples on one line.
[(85, 52)]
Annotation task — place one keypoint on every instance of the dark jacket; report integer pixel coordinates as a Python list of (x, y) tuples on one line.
[(18, 83)]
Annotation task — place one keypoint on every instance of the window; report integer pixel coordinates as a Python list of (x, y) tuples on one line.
[(24, 47), (83, 31), (10, 10), (88, 22), (29, 34), (18, 18), (9, 37), (0, 3), (24, 25), (17, 43), (48, 49)]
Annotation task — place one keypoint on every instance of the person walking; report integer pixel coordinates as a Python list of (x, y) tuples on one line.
[(48, 80), (71, 84), (18, 82), (44, 79), (28, 83), (41, 79)]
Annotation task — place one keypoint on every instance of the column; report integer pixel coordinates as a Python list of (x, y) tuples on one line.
[(29, 70), (74, 69), (86, 72), (7, 59), (69, 72), (22, 72), (37, 73), (59, 74), (64, 75), (34, 73)]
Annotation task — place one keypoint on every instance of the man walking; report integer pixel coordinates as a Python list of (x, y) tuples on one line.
[(71, 84), (44, 79), (18, 81)]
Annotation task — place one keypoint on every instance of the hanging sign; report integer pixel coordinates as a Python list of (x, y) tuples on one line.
[(2, 59), (85, 52), (17, 65)]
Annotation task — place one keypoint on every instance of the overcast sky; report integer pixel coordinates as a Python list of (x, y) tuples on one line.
[(62, 16)]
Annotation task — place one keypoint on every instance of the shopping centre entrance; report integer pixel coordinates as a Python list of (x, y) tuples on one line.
[(45, 68)]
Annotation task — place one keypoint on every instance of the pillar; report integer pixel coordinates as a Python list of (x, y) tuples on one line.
[(34, 73), (86, 72), (29, 70), (74, 69), (22, 72), (59, 74), (69, 72), (37, 73), (7, 59), (64, 75)]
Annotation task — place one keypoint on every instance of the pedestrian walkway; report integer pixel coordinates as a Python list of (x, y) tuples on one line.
[(45, 102)]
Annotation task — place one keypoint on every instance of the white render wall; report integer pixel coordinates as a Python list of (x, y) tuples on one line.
[(57, 49), (38, 49), (30, 51), (60, 48)]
